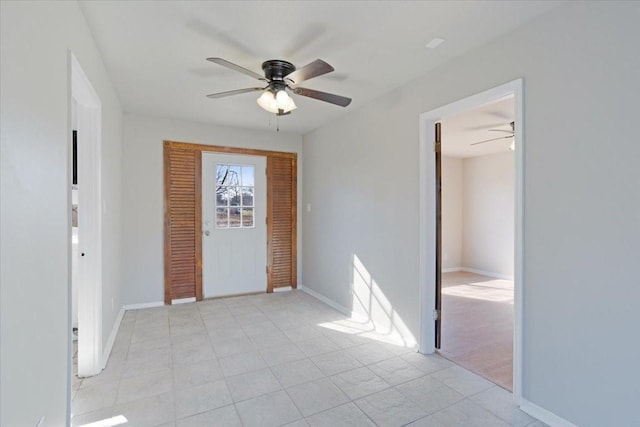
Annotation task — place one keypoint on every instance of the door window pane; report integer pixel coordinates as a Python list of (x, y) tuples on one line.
[(235, 204), (222, 172), (222, 198), (222, 218), (247, 217), (247, 176), (234, 217), (234, 175), (247, 196), (234, 196)]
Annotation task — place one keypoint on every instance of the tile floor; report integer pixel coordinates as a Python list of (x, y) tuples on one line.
[(477, 325), (274, 360)]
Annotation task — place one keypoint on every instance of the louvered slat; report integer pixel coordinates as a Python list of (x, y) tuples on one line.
[(181, 222), (281, 225)]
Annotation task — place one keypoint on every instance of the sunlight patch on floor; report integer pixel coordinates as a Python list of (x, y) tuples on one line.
[(492, 290), (372, 314), (109, 422)]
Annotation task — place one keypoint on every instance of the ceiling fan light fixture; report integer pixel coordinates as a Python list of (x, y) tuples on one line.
[(268, 102), (279, 103), (284, 102)]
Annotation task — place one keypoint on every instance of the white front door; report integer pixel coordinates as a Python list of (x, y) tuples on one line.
[(234, 240)]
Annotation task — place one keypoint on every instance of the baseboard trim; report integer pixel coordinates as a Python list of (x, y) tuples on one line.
[(451, 269), (143, 305), (325, 300), (404, 334), (486, 273), (245, 294), (544, 415), (112, 338), (183, 300)]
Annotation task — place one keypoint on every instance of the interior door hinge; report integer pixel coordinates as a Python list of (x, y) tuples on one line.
[(266, 220), (436, 314), (266, 269)]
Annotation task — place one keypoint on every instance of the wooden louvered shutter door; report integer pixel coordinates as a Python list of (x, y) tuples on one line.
[(281, 222), (183, 217)]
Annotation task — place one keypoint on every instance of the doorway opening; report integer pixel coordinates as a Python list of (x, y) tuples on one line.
[(434, 262), (477, 244), (85, 238)]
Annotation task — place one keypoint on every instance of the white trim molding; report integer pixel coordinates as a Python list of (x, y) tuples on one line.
[(427, 222), (544, 415), (476, 271), (325, 300), (143, 305), (183, 300), (486, 273), (112, 338)]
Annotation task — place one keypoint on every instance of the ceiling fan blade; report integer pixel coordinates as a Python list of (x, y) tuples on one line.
[(323, 96), (502, 114), (309, 71), (484, 127), (492, 139), (234, 92), (500, 130), (236, 67)]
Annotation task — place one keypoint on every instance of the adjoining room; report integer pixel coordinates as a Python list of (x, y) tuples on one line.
[(478, 240)]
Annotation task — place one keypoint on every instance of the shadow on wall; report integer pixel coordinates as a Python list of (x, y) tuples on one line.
[(373, 310)]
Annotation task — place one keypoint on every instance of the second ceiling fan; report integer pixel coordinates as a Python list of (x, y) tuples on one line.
[(510, 132), (282, 77)]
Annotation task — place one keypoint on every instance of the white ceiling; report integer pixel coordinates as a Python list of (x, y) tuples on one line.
[(155, 50), (461, 130)]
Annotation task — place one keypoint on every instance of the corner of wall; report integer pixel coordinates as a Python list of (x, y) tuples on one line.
[(112, 338), (544, 415)]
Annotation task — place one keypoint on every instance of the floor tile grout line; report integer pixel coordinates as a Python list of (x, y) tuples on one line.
[(173, 378), (311, 322), (283, 388)]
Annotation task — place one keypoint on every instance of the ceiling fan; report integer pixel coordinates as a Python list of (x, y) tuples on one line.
[(510, 132), (282, 77)]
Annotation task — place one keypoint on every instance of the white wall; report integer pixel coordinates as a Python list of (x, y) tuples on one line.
[(452, 209), (143, 218), (581, 201), (488, 215), (35, 222)]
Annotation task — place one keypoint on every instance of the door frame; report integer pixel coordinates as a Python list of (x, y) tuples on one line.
[(199, 148), (427, 226), (89, 117)]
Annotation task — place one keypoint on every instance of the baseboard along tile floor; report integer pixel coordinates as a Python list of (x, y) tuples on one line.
[(281, 359)]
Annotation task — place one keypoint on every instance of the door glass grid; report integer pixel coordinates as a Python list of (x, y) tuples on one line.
[(235, 196)]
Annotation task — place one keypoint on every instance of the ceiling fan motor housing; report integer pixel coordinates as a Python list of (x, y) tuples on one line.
[(276, 69)]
